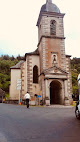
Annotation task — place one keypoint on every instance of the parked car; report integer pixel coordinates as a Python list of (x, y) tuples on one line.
[(77, 110)]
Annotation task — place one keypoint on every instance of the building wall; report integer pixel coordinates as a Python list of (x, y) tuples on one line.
[(23, 79), (50, 44), (47, 47), (15, 74), (31, 61)]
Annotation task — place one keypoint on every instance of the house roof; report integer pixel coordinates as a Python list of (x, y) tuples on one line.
[(36, 52), (18, 65)]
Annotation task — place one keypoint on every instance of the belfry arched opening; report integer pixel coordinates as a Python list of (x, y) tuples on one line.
[(55, 92)]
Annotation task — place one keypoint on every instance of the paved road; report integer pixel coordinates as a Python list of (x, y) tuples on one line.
[(38, 124)]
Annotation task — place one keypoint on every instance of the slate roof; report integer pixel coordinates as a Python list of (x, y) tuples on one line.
[(48, 7), (36, 52), (18, 65)]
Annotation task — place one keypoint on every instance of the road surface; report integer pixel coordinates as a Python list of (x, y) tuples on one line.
[(38, 124)]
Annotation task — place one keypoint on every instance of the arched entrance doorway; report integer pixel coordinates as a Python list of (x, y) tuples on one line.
[(55, 91)]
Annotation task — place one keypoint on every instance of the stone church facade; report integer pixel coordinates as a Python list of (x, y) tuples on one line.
[(46, 71)]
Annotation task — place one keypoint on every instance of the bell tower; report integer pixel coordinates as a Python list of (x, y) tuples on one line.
[(51, 46), (51, 36)]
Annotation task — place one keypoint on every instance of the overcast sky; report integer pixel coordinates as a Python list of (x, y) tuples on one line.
[(18, 31)]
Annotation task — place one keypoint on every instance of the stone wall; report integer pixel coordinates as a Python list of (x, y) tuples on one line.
[(47, 47), (23, 79), (31, 61), (49, 44), (68, 69), (44, 27), (15, 74)]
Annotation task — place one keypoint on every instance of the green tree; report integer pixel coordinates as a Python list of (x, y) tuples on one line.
[(5, 63)]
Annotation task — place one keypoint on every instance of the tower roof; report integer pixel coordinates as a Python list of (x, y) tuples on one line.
[(48, 7)]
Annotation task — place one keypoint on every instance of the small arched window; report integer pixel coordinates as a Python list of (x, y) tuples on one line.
[(35, 74), (53, 27)]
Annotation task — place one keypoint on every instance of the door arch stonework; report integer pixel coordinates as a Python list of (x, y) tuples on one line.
[(55, 92)]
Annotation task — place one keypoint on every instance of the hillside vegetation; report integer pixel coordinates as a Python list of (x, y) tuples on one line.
[(6, 62), (75, 71)]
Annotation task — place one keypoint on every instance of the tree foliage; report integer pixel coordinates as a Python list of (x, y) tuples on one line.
[(75, 70), (5, 63)]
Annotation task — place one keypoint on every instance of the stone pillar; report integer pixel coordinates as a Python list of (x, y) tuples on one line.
[(47, 98), (43, 88), (62, 92), (66, 97), (65, 89)]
